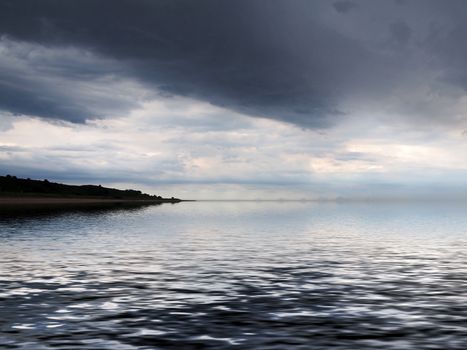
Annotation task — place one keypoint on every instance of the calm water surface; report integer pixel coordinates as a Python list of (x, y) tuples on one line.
[(236, 275)]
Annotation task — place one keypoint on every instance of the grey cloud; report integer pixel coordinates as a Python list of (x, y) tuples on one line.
[(400, 31), (64, 84), (275, 59), (271, 59), (61, 165), (344, 6), (67, 174), (12, 149)]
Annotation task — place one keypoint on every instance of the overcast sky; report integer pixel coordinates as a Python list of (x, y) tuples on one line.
[(239, 98)]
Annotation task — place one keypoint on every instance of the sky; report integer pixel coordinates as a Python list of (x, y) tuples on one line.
[(244, 99)]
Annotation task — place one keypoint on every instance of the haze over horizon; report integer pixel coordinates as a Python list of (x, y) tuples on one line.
[(249, 99)]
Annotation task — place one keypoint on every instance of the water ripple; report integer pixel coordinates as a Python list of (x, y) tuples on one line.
[(161, 278)]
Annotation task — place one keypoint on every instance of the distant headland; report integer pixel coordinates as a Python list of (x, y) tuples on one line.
[(17, 191)]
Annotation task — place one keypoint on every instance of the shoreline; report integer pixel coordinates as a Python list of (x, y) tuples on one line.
[(39, 201)]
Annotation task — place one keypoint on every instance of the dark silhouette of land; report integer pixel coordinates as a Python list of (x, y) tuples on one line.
[(26, 192)]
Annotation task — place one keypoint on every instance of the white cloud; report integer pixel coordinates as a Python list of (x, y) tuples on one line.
[(175, 146)]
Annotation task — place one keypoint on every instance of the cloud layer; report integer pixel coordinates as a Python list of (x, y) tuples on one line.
[(175, 146), (247, 97), (307, 63)]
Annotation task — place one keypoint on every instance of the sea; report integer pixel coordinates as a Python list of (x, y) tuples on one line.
[(236, 275)]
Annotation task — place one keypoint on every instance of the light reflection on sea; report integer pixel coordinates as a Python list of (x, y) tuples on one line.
[(236, 275)]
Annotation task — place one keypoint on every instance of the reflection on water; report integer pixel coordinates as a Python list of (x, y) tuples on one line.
[(34, 210), (236, 276)]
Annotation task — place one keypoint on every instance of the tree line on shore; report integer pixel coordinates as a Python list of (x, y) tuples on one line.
[(12, 185)]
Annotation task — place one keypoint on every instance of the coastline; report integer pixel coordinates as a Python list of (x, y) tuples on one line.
[(39, 201)]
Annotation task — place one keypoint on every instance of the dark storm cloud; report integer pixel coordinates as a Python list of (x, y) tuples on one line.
[(61, 83), (261, 58), (23, 98), (277, 59), (447, 43), (344, 6), (400, 31)]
